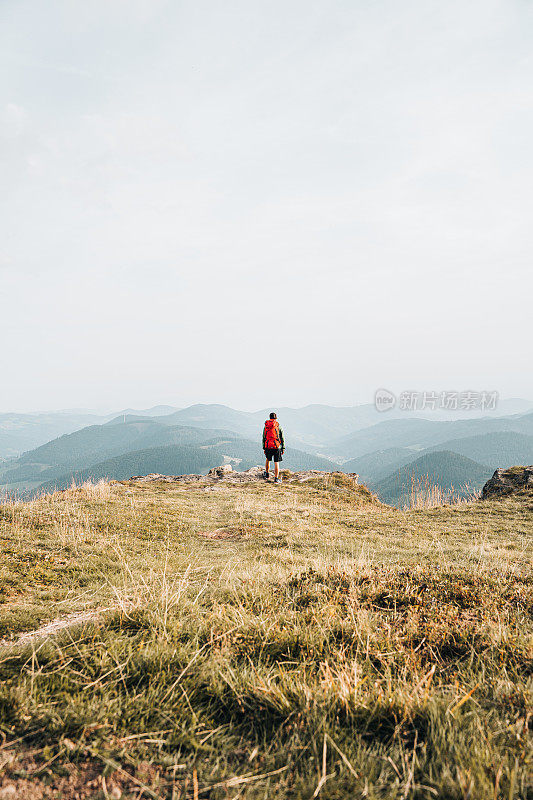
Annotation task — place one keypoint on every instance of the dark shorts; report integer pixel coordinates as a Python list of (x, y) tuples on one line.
[(273, 453)]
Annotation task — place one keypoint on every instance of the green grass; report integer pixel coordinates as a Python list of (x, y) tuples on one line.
[(267, 642)]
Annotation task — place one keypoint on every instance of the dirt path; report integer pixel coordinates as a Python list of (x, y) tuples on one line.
[(56, 626)]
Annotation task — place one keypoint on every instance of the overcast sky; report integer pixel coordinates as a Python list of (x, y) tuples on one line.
[(263, 203)]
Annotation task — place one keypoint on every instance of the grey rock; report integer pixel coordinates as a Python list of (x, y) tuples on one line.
[(220, 472), (508, 481)]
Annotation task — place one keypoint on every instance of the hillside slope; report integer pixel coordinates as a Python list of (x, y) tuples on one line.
[(493, 449), (378, 464), (98, 443), (442, 471), (183, 460), (255, 641), (501, 448)]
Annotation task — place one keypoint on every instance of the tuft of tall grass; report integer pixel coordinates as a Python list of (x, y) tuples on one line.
[(424, 492)]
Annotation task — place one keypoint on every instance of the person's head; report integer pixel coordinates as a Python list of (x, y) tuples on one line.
[(273, 415)]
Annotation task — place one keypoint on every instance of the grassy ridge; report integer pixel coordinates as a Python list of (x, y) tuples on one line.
[(295, 642)]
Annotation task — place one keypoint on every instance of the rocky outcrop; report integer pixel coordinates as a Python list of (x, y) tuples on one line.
[(225, 474), (508, 481), (220, 472)]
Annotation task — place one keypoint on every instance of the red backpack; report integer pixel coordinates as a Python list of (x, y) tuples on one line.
[(272, 434)]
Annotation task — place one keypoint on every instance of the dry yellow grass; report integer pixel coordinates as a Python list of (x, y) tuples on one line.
[(295, 642)]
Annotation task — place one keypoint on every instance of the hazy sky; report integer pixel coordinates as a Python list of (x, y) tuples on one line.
[(263, 203)]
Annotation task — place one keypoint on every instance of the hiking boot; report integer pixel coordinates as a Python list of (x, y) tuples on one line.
[(265, 475), (277, 480)]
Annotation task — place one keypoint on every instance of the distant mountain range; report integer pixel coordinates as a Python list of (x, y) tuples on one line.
[(97, 443), (315, 428), (201, 436), (311, 428), (422, 433), (21, 432)]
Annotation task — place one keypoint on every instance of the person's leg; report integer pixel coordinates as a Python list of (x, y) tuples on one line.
[(267, 467), (276, 469)]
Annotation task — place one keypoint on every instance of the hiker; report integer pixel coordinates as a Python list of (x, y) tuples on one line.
[(273, 445)]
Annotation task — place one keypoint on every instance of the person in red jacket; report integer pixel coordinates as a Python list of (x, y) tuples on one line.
[(273, 445)]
